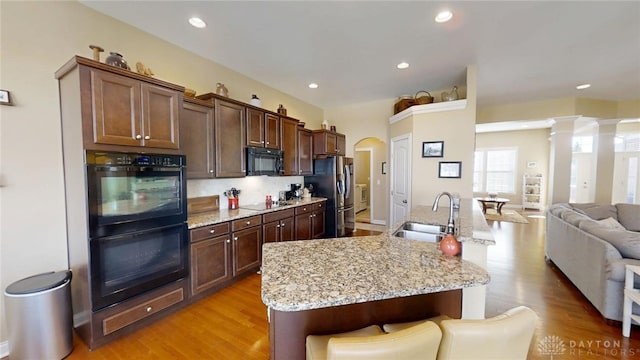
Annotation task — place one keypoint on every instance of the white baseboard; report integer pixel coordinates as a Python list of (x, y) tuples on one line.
[(4, 349), (379, 222)]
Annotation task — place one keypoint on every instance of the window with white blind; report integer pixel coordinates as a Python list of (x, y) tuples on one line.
[(495, 170)]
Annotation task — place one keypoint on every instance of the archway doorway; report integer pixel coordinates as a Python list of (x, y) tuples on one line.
[(371, 190)]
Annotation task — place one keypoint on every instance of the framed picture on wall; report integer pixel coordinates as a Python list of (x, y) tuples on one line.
[(433, 149), (450, 169)]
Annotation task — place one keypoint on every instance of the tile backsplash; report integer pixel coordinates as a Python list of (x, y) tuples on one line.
[(254, 189)]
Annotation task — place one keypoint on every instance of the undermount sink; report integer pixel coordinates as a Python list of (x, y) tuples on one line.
[(422, 232)]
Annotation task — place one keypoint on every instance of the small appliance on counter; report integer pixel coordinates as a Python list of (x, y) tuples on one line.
[(296, 190)]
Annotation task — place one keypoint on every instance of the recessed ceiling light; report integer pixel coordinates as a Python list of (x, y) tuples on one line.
[(443, 16), (313, 86), (197, 22), (583, 86), (402, 65)]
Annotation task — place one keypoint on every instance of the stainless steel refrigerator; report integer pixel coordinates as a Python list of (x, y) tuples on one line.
[(333, 179)]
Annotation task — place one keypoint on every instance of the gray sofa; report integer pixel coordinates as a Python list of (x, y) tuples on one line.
[(590, 244)]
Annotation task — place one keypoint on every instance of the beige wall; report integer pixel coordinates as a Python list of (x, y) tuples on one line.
[(532, 145), (526, 111), (629, 109), (37, 38), (457, 129), (366, 125), (553, 108)]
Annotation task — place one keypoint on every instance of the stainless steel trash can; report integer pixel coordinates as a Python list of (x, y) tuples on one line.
[(39, 316)]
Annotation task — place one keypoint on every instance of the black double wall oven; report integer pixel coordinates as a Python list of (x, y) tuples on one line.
[(137, 223)]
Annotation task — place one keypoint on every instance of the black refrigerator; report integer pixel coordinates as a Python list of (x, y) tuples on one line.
[(333, 179)]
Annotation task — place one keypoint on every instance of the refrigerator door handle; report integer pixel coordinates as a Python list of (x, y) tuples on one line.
[(347, 182), (340, 186)]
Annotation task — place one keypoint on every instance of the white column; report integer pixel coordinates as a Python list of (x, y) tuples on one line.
[(560, 159), (605, 150)]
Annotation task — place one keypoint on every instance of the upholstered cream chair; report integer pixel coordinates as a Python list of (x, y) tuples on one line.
[(415, 343), (506, 336)]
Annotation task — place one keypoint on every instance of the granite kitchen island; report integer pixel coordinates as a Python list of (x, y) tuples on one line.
[(335, 285)]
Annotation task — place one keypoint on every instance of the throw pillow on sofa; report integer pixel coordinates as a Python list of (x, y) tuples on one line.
[(611, 223), (629, 216), (597, 211), (627, 242)]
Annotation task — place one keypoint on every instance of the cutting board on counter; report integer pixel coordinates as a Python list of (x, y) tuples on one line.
[(203, 204)]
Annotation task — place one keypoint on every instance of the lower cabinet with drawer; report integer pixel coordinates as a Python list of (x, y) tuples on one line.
[(247, 244), (222, 252), (310, 221), (210, 257), (278, 226), (131, 315)]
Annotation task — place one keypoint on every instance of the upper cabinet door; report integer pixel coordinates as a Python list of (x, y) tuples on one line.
[(160, 117), (255, 128), (341, 144), (196, 139), (305, 152), (230, 139), (129, 112), (116, 109), (272, 131), (289, 141)]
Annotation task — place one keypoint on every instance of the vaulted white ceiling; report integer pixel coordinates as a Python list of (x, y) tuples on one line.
[(524, 50)]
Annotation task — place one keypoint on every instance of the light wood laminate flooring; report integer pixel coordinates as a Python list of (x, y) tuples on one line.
[(232, 323)]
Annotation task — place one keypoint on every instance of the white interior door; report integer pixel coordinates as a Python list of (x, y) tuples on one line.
[(581, 178), (400, 171)]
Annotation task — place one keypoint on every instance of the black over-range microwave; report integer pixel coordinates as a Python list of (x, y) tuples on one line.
[(261, 161)]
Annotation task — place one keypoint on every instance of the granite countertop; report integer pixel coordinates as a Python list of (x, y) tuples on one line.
[(223, 215), (312, 274)]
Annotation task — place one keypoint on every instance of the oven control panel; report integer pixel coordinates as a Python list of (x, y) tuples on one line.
[(133, 159)]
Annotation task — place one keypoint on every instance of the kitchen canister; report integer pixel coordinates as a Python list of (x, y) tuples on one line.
[(116, 59), (222, 90), (255, 101)]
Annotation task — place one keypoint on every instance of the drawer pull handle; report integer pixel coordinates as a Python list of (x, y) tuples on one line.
[(149, 308), (212, 231), (248, 222)]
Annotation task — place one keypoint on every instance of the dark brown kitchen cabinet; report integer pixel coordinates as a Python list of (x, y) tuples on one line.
[(197, 140), (289, 145), (327, 142), (110, 323), (263, 130), (247, 244), (230, 139), (210, 263), (130, 112), (341, 144), (272, 131), (210, 257), (278, 226), (107, 108), (305, 152), (255, 127), (310, 221), (318, 220)]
